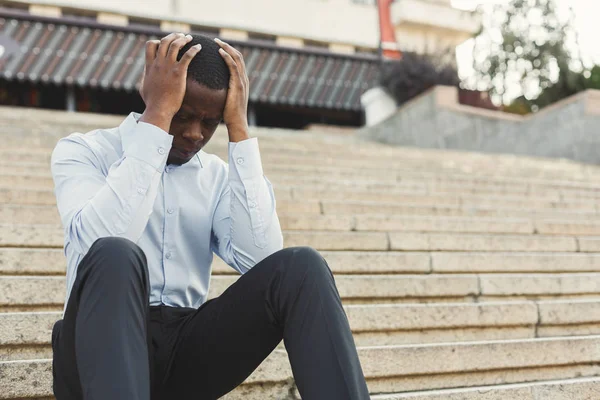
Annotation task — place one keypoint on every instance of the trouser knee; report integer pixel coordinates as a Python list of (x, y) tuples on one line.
[(300, 265), (115, 259)]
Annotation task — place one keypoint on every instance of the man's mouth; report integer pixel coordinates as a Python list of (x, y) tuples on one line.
[(184, 153)]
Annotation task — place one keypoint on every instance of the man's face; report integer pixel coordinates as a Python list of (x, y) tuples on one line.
[(195, 122)]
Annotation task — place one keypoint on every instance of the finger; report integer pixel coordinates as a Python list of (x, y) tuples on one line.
[(151, 49), (189, 55), (177, 45), (233, 67), (165, 42), (237, 56), (232, 51)]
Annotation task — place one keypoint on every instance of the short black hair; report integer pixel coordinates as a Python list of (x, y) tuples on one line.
[(208, 67)]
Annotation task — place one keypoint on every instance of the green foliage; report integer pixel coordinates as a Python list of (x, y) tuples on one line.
[(415, 74), (593, 79), (526, 48)]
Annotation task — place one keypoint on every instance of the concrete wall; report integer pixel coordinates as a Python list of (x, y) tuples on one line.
[(569, 129)]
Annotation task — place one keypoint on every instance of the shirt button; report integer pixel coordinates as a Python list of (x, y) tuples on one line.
[(141, 191), (240, 161), (168, 256), (161, 151), (252, 204), (170, 211)]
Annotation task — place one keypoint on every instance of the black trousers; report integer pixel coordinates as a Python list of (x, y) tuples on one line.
[(112, 345)]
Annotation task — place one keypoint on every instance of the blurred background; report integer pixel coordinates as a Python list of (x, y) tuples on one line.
[(310, 61)]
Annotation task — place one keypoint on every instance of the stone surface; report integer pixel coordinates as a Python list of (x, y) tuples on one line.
[(589, 244), (386, 361), (569, 312), (395, 363), (472, 242), (405, 286), (24, 261), (377, 262), (543, 284), (435, 316), (442, 224), (27, 328), (547, 227), (33, 291), (52, 236), (459, 262), (324, 240), (24, 196), (568, 330), (316, 222), (387, 338), (21, 379), (576, 389), (430, 122), (30, 235), (392, 324)]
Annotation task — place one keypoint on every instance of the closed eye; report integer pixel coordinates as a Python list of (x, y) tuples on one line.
[(182, 117), (212, 122)]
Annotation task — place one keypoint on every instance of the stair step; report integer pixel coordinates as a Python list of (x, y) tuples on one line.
[(570, 389), (18, 292), (26, 261), (387, 368), (13, 235), (31, 261), (42, 214), (27, 334)]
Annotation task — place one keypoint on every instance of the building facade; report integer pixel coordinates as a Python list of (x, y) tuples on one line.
[(309, 60)]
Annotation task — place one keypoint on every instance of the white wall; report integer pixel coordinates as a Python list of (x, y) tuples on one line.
[(332, 21), (338, 21)]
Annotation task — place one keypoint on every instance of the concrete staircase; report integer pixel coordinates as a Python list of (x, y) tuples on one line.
[(464, 276)]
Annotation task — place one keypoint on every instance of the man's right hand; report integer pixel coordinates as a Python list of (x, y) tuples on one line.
[(164, 80)]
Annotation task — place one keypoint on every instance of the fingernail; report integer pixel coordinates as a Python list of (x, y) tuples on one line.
[(188, 36), (218, 40), (198, 46)]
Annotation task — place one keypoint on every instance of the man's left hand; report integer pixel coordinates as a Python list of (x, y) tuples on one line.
[(236, 106)]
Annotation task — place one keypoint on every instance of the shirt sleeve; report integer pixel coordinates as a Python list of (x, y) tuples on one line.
[(246, 228), (93, 204)]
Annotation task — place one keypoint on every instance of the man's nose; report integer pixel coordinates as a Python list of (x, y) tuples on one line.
[(194, 134)]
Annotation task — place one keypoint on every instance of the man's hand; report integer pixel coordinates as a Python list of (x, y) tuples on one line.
[(236, 106), (164, 80)]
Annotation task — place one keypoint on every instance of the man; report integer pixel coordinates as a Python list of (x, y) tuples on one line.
[(143, 210)]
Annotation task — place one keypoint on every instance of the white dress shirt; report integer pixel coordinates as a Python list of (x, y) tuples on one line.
[(115, 182)]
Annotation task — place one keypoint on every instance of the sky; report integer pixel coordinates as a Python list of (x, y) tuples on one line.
[(586, 22)]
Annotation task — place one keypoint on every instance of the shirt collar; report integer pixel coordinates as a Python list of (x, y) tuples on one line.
[(133, 118)]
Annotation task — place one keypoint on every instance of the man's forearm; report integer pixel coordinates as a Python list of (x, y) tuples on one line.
[(238, 134), (157, 118)]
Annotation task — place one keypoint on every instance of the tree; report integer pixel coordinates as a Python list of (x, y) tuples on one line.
[(528, 48), (415, 73)]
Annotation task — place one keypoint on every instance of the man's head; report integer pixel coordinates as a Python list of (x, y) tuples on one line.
[(204, 101)]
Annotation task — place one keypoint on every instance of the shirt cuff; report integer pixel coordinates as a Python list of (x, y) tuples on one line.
[(147, 143), (244, 156)]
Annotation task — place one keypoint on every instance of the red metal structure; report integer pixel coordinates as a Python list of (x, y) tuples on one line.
[(387, 37)]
